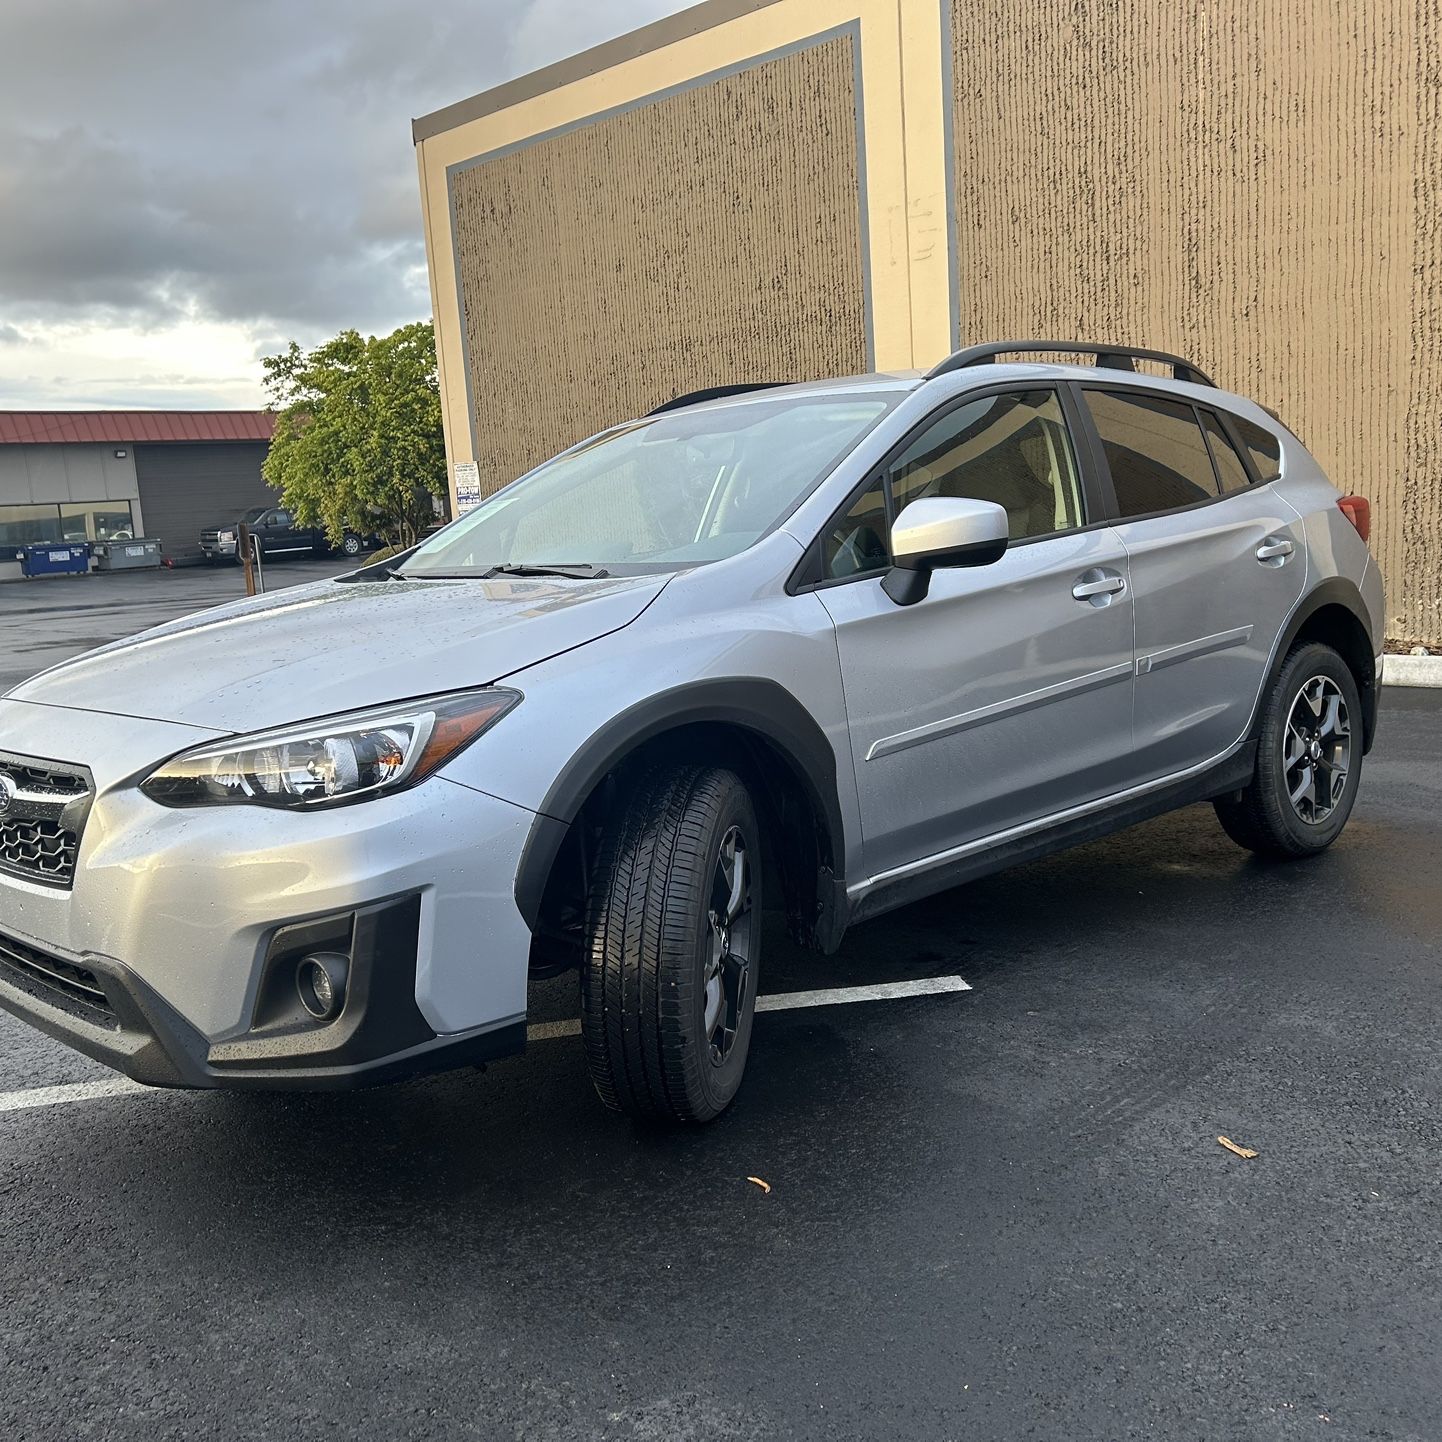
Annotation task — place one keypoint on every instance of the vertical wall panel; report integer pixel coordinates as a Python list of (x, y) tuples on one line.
[(709, 236), (1420, 520), (1256, 186)]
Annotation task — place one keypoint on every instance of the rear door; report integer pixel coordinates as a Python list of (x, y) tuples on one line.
[(1216, 565), (1005, 695)]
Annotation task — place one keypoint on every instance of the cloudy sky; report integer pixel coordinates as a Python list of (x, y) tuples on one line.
[(185, 185)]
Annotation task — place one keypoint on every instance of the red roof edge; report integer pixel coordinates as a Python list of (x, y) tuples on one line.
[(32, 428)]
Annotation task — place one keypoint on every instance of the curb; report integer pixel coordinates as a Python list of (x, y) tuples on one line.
[(1412, 671)]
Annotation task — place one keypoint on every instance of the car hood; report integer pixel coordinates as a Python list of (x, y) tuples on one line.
[(336, 646)]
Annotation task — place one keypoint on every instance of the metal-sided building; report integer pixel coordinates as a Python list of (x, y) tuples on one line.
[(784, 189), (94, 475)]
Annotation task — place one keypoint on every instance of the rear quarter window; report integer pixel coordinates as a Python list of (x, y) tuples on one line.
[(1230, 471), (1263, 446)]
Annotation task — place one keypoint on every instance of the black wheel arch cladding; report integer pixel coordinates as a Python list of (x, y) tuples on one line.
[(1334, 613), (761, 708)]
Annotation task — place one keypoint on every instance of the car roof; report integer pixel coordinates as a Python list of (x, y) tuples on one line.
[(974, 375), (890, 383)]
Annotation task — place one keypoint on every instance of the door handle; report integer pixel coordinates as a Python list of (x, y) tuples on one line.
[(1098, 586), (1274, 548)]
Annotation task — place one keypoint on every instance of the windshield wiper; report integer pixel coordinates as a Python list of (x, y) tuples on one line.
[(577, 572), (374, 572), (580, 571)]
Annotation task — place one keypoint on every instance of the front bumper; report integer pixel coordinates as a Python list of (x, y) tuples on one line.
[(219, 550), (106, 1011), (176, 916)]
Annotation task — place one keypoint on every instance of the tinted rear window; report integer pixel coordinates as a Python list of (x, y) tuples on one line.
[(1155, 449), (1263, 447), (1230, 470)]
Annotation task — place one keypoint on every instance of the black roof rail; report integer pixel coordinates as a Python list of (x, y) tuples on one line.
[(1109, 357), (714, 393)]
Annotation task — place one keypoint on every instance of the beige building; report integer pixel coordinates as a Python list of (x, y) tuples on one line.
[(784, 189)]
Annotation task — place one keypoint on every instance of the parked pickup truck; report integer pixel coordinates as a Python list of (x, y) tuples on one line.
[(280, 535)]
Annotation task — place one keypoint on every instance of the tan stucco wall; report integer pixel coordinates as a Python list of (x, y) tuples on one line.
[(580, 310), (719, 36), (1254, 186)]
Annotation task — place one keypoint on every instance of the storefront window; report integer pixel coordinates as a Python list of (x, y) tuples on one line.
[(70, 521), (24, 525), (97, 521)]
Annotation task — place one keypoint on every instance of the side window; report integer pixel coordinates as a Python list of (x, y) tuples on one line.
[(1263, 447), (1011, 449), (1230, 470), (857, 542), (1155, 449), (280, 518)]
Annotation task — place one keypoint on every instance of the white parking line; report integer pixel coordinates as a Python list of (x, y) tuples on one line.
[(547, 1030), (845, 995), (541, 1031), (790, 1000), (77, 1092)]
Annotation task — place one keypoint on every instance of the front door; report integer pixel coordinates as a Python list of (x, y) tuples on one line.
[(1005, 695), (1216, 565), (278, 534)]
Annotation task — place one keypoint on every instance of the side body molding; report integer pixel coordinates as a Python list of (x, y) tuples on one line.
[(762, 708)]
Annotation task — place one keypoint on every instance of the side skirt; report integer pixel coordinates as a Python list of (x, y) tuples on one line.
[(1228, 775)]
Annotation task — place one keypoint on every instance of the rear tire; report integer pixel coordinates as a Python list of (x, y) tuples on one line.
[(673, 930), (1309, 759)]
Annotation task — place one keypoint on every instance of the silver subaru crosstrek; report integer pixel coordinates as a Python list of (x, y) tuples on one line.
[(826, 647)]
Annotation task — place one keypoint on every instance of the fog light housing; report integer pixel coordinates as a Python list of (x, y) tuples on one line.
[(320, 981)]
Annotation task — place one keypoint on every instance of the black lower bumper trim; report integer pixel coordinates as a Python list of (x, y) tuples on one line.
[(380, 1035)]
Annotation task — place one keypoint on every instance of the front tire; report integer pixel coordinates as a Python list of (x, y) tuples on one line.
[(1309, 759), (673, 930)]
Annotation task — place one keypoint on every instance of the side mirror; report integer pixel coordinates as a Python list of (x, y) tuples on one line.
[(941, 531)]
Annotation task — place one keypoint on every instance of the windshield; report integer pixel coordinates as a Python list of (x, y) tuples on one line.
[(679, 489)]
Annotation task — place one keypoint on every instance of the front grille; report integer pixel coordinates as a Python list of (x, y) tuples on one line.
[(42, 849), (43, 806), (74, 988)]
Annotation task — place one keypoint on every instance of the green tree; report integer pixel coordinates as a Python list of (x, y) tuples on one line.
[(358, 440)]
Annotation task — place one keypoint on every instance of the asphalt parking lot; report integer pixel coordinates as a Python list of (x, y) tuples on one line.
[(48, 619), (997, 1213)]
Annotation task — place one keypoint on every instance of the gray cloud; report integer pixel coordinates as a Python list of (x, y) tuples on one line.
[(243, 162)]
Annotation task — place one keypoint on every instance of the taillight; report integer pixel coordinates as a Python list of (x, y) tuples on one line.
[(1358, 510)]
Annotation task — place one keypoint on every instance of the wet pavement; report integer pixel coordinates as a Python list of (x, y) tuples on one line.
[(999, 1213)]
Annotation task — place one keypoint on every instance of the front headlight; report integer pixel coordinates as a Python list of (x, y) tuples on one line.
[(332, 760), (226, 536)]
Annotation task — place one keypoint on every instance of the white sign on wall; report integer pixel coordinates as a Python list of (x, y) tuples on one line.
[(468, 486)]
